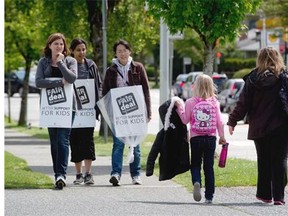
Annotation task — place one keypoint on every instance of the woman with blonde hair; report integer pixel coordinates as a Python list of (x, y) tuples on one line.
[(203, 113), (268, 124)]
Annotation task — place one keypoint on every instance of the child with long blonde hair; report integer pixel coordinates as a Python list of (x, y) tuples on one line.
[(202, 111)]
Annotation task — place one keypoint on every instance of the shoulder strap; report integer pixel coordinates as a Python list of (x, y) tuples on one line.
[(122, 76)]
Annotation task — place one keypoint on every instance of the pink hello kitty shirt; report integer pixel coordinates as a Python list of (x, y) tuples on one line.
[(204, 118)]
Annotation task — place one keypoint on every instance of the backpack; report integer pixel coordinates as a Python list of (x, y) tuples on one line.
[(283, 93), (204, 120)]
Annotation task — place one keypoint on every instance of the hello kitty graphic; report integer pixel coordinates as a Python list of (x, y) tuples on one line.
[(204, 118)]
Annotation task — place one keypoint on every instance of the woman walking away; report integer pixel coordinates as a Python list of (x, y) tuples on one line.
[(268, 124), (203, 113), (82, 139), (56, 63)]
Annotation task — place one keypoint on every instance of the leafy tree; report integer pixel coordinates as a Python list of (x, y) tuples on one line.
[(21, 38), (191, 47), (68, 17), (213, 20), (126, 19)]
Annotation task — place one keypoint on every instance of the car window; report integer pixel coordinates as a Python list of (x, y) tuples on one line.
[(20, 74), (219, 80), (227, 84), (189, 78), (237, 85)]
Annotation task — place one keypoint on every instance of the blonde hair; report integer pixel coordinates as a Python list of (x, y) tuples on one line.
[(204, 87), (269, 58)]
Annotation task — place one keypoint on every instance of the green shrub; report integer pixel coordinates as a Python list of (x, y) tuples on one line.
[(235, 64), (241, 73), (150, 71)]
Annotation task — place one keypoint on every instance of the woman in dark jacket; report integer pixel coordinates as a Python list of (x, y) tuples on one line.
[(126, 72), (268, 124)]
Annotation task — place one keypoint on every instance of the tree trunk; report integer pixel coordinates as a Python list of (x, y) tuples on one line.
[(209, 55), (24, 97), (96, 37)]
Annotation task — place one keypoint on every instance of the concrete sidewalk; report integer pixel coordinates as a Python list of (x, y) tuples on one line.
[(151, 198)]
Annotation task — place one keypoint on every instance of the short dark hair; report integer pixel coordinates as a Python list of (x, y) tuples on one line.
[(122, 42)]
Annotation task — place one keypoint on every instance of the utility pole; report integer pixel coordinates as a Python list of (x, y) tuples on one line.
[(104, 44), (164, 62)]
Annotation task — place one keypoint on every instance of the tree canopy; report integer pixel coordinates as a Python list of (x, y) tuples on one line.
[(213, 20)]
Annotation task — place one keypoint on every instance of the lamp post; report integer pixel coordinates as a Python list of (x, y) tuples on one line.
[(263, 32), (104, 44)]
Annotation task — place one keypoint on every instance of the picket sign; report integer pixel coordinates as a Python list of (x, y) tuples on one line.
[(124, 110), (86, 117), (56, 106)]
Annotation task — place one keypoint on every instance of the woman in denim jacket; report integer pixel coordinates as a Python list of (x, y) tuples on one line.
[(56, 63)]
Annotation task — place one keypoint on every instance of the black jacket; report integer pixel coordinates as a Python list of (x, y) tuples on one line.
[(172, 144), (260, 100)]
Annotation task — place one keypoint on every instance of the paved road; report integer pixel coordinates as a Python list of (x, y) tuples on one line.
[(240, 147)]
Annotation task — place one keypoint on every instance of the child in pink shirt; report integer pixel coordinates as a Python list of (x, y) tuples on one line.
[(202, 111)]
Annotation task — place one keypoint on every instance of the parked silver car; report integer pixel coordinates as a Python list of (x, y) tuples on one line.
[(218, 79), (16, 80), (189, 84), (178, 85), (232, 101), (230, 88)]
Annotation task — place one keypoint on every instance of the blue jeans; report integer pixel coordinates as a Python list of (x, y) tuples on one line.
[(59, 143), (203, 149), (117, 159)]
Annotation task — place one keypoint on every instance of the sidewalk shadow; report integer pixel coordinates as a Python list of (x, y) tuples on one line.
[(96, 170), (24, 140), (235, 204)]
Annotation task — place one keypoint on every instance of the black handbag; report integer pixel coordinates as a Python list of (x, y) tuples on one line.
[(283, 93)]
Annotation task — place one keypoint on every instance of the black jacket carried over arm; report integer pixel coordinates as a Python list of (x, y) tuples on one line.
[(172, 144)]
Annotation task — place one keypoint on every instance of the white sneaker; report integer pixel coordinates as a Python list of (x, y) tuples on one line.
[(207, 201), (136, 180), (197, 192), (60, 182)]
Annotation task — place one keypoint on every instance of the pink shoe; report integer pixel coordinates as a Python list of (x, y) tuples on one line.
[(279, 202), (264, 200)]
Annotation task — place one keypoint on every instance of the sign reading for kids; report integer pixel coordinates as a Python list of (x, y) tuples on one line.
[(56, 106)]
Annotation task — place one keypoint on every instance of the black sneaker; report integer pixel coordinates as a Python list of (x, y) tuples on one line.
[(79, 179), (60, 183), (115, 180), (88, 179)]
